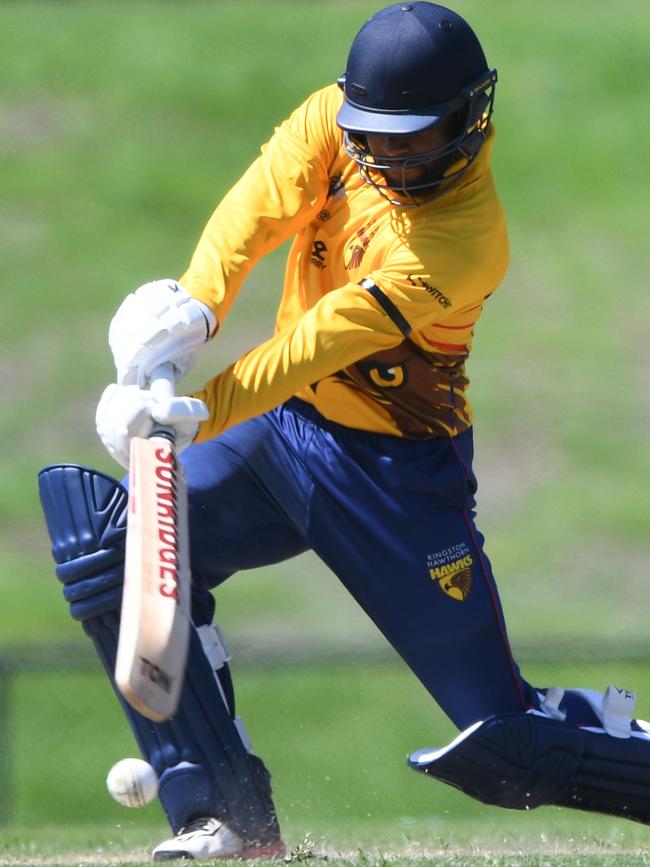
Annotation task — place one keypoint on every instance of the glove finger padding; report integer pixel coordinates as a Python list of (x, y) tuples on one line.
[(122, 413), (179, 410), (126, 411), (159, 323)]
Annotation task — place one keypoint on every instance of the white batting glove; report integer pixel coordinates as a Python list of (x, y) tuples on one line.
[(126, 411), (157, 324)]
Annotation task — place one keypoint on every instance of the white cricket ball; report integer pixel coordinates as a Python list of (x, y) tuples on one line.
[(132, 782)]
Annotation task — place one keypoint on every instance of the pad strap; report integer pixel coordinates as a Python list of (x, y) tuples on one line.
[(612, 711)]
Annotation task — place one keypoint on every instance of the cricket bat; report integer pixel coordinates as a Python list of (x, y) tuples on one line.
[(155, 616)]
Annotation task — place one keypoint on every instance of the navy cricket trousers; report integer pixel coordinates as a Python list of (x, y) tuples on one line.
[(392, 518)]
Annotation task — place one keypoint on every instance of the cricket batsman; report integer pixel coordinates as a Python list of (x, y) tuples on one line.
[(347, 432)]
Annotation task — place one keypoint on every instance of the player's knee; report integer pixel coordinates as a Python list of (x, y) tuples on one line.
[(85, 513)]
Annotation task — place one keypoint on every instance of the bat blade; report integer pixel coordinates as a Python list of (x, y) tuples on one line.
[(155, 617)]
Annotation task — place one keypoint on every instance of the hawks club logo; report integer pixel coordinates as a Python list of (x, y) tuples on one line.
[(355, 258), (356, 249), (454, 577)]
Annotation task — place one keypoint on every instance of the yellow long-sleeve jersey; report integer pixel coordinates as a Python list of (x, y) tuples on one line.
[(380, 301)]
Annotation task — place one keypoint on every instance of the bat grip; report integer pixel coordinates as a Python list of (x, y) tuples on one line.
[(162, 387), (162, 382)]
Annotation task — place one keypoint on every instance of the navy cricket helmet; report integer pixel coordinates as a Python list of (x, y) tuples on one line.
[(411, 69)]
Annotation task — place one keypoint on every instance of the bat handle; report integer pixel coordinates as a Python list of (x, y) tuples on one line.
[(162, 382), (162, 388)]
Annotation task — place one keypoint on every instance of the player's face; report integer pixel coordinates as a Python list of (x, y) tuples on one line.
[(403, 146), (408, 169)]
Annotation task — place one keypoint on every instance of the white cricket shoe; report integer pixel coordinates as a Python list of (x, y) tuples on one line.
[(209, 839)]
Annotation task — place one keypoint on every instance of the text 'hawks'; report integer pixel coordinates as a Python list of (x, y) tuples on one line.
[(439, 572), (166, 511)]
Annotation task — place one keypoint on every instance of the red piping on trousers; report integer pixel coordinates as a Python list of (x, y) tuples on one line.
[(490, 589)]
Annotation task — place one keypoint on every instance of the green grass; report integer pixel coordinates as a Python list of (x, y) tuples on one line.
[(99, 850), (335, 738), (122, 124)]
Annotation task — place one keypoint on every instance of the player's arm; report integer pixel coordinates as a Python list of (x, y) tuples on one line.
[(166, 321), (277, 196), (345, 326), (419, 285)]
